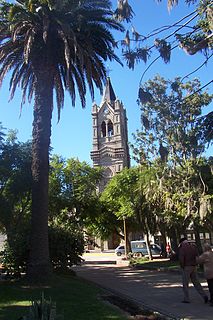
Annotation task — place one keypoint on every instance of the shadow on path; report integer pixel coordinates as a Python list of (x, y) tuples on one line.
[(155, 290)]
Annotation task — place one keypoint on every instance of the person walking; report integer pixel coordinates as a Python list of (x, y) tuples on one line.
[(207, 260), (187, 254), (168, 250)]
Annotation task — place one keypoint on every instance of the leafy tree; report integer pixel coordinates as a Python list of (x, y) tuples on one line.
[(171, 114), (119, 203), (15, 185), (172, 132), (66, 238), (74, 202), (73, 184), (15, 201), (84, 180), (125, 197), (52, 46), (187, 193)]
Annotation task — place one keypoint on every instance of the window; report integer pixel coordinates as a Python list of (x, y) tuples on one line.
[(103, 129), (108, 173), (110, 128)]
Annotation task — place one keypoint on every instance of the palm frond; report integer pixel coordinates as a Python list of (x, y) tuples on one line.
[(72, 40)]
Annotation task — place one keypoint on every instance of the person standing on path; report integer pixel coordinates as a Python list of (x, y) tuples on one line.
[(187, 254), (207, 260)]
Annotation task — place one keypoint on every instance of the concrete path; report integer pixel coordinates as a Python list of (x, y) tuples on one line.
[(158, 291)]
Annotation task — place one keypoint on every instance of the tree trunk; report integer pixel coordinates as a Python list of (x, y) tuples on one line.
[(126, 238), (163, 240), (148, 245), (173, 236), (197, 238), (39, 267)]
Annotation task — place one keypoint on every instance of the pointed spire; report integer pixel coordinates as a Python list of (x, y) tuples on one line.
[(109, 94)]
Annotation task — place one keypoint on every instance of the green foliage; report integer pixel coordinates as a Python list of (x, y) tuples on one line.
[(15, 255), (15, 183), (66, 225), (120, 193), (15, 201), (165, 265), (207, 124), (125, 197), (73, 198), (172, 141), (170, 118), (66, 247), (72, 184), (135, 261), (43, 310)]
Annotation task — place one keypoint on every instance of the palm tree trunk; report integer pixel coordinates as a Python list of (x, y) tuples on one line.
[(39, 266)]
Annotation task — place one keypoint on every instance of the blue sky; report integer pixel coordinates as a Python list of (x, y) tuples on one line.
[(72, 136)]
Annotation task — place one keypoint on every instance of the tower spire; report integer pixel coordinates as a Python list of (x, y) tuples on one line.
[(109, 94)]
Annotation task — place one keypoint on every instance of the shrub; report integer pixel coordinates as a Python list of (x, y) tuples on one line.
[(16, 250), (66, 248)]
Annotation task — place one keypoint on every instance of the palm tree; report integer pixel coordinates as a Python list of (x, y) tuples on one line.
[(50, 46)]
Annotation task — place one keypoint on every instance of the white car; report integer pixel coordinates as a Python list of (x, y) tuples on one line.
[(120, 250)]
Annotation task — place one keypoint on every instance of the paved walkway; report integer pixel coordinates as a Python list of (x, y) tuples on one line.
[(158, 291)]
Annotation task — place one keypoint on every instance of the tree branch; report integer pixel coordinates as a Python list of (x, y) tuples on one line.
[(152, 64), (164, 28), (189, 74)]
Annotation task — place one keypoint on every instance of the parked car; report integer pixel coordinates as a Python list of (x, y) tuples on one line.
[(139, 248), (120, 250)]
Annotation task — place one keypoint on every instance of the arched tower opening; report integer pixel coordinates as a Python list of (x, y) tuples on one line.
[(110, 128), (103, 129)]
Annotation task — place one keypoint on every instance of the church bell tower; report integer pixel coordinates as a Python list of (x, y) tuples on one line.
[(110, 136)]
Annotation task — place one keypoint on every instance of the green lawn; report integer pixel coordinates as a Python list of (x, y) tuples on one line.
[(76, 299), (159, 265), (155, 264)]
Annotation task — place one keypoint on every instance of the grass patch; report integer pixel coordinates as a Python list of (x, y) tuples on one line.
[(155, 265), (74, 297)]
